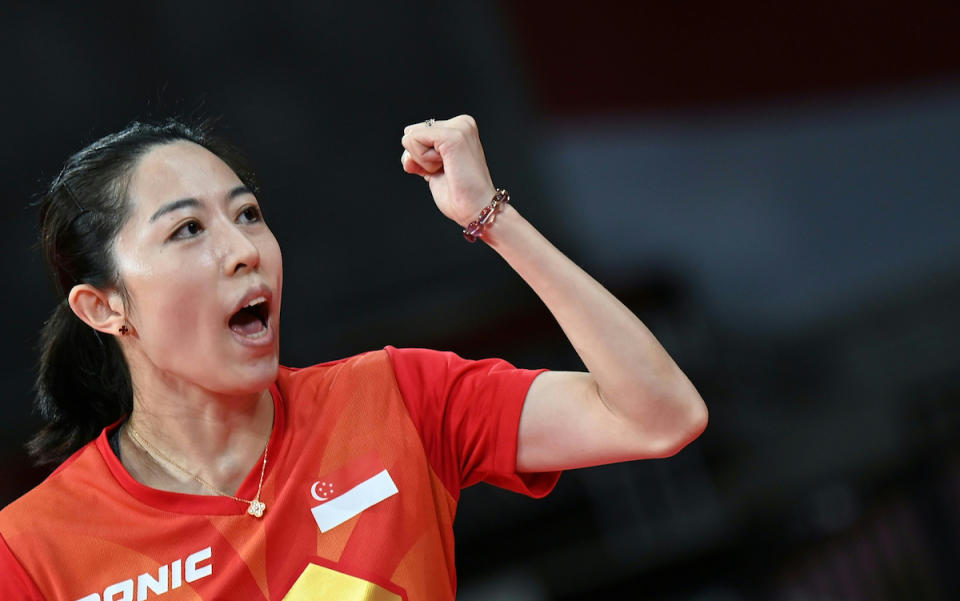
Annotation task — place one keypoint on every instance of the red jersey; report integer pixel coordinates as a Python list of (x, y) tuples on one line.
[(365, 464)]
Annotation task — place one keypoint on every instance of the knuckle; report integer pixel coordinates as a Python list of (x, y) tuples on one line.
[(468, 122)]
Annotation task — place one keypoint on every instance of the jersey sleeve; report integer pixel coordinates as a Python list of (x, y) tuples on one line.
[(15, 583), (468, 416)]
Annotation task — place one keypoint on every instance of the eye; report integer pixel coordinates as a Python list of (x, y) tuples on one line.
[(250, 214), (187, 230)]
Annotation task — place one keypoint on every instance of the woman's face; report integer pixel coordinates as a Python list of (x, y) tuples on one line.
[(194, 252)]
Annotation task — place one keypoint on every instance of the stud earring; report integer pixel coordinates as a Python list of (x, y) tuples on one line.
[(123, 330)]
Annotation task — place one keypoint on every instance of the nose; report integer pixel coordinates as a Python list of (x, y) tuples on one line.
[(241, 253)]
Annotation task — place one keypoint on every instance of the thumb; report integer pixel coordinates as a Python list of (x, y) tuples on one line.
[(423, 152)]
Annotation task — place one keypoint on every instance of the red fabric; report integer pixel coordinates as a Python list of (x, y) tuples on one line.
[(467, 413), (91, 531), (14, 581)]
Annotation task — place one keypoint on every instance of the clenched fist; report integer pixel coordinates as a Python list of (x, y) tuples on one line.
[(448, 154)]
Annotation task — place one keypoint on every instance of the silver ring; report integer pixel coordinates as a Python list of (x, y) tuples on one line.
[(430, 122)]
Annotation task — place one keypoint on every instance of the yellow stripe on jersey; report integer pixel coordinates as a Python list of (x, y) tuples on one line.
[(317, 583)]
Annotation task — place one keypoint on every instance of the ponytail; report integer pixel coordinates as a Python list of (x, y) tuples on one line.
[(83, 385)]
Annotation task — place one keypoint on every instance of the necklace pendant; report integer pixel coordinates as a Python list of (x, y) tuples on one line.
[(256, 508)]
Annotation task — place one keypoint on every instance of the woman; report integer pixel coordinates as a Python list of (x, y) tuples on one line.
[(194, 467)]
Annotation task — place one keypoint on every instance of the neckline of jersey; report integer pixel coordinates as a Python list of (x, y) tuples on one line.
[(200, 504)]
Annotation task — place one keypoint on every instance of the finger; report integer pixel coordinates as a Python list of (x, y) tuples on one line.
[(421, 139), (427, 157), (422, 152), (412, 126), (464, 123), (411, 166)]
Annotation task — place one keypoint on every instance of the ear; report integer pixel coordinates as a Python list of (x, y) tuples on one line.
[(99, 309)]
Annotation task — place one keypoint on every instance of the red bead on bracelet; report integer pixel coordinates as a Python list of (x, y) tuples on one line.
[(487, 216)]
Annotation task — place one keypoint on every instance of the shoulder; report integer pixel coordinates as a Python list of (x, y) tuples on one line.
[(429, 364), (295, 379), (292, 373), (309, 392), (385, 361), (46, 499)]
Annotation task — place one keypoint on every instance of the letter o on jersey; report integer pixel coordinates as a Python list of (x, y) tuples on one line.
[(123, 589)]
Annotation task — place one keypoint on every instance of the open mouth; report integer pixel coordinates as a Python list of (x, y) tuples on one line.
[(251, 320)]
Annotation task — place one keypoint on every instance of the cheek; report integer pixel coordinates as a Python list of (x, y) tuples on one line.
[(275, 257), (172, 300), (271, 260), (170, 320)]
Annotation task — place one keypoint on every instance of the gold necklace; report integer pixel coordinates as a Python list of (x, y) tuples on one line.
[(256, 506)]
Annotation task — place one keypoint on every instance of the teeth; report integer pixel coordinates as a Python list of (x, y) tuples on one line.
[(256, 301)]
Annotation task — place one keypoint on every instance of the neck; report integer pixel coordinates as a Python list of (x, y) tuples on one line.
[(217, 437)]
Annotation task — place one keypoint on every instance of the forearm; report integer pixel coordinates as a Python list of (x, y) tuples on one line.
[(634, 376), (634, 402)]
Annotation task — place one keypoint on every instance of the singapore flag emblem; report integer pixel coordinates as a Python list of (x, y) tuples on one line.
[(335, 509)]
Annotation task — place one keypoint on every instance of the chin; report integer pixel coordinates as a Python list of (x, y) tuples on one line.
[(252, 377)]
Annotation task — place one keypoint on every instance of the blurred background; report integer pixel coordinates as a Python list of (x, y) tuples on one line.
[(771, 186)]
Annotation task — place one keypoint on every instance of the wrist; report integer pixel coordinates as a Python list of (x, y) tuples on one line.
[(477, 202), (503, 232), (478, 227)]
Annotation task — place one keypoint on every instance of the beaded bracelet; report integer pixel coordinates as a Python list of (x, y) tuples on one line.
[(489, 213)]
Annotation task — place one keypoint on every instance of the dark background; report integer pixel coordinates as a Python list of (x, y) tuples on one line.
[(772, 187)]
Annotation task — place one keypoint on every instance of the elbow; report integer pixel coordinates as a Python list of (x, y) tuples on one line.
[(689, 411), (697, 422), (687, 429)]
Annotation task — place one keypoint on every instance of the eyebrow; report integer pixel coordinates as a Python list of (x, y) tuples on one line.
[(193, 202)]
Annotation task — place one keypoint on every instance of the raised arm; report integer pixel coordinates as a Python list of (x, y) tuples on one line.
[(634, 402)]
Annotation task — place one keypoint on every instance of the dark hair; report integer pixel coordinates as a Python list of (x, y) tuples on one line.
[(83, 382)]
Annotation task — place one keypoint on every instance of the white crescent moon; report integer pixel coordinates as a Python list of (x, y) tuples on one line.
[(313, 492)]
